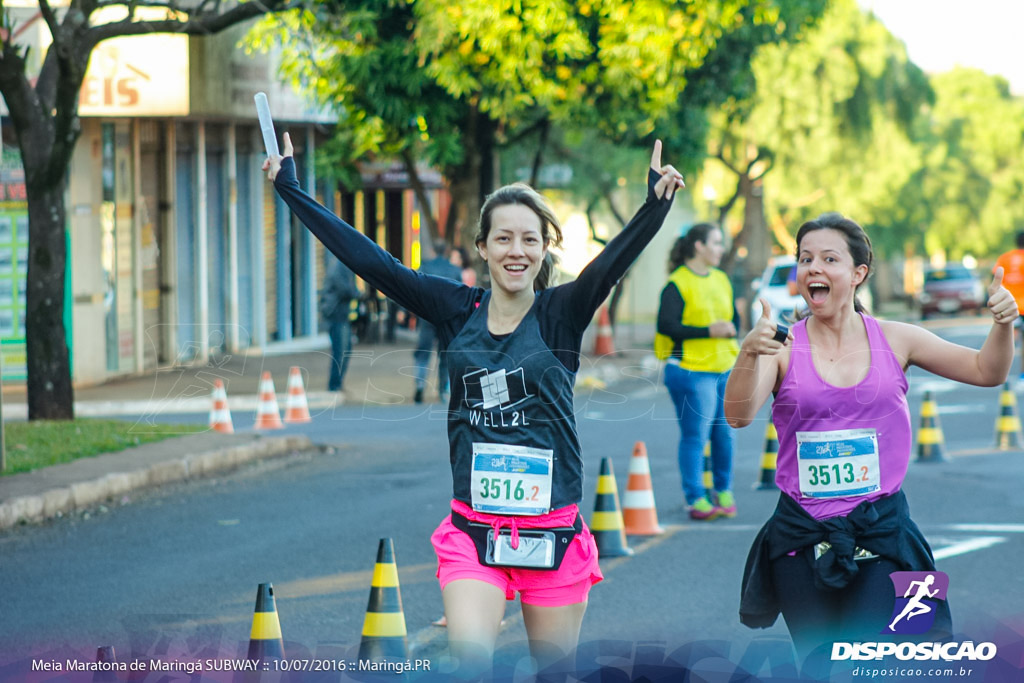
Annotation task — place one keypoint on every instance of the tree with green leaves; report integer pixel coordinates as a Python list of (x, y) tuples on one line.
[(43, 110), (829, 127), (964, 196), (452, 83)]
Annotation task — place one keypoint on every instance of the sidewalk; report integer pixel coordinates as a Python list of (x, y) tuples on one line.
[(379, 374)]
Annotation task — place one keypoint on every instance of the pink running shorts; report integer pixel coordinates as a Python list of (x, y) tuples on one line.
[(568, 585)]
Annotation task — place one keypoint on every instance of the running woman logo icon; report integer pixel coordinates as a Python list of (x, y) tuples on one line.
[(917, 595)]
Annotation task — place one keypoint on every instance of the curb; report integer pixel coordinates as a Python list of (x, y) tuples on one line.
[(82, 494)]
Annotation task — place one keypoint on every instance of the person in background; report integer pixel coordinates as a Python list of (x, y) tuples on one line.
[(460, 259), (791, 282), (335, 306), (515, 454), (1012, 263), (697, 324), (842, 524), (427, 339)]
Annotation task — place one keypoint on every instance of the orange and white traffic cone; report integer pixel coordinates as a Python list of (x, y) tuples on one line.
[(296, 410), (638, 512), (220, 416), (603, 344), (268, 415)]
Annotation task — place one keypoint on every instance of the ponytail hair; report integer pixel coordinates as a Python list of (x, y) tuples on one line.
[(685, 248)]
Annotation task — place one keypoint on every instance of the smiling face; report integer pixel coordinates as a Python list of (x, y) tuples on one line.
[(514, 249), (826, 275)]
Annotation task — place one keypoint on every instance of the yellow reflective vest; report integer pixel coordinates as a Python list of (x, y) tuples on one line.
[(706, 299)]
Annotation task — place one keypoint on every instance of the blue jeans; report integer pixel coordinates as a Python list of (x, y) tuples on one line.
[(426, 340), (700, 409), (340, 332)]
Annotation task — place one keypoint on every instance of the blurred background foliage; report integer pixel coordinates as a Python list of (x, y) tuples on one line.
[(776, 110)]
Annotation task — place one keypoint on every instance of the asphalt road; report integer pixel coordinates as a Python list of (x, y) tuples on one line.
[(174, 572)]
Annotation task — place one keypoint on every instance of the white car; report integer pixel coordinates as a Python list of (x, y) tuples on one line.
[(773, 286)]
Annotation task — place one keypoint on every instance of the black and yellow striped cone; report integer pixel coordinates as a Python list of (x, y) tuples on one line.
[(708, 480), (384, 635), (105, 665), (606, 524), (930, 441), (1007, 424), (265, 641), (769, 458)]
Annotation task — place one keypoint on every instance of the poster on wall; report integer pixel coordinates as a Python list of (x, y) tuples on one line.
[(13, 264)]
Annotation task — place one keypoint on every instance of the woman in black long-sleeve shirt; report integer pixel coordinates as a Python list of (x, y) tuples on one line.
[(513, 353)]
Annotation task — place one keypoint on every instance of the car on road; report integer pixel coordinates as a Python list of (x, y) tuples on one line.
[(773, 287), (951, 289)]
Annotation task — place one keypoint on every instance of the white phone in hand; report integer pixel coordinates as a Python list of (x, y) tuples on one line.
[(266, 124)]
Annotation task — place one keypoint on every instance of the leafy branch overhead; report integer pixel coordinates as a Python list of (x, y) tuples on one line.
[(455, 82)]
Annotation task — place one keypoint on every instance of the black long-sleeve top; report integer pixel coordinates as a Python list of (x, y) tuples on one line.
[(563, 311)]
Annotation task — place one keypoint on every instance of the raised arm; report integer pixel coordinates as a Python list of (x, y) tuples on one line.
[(600, 275), (429, 297), (757, 370), (987, 367)]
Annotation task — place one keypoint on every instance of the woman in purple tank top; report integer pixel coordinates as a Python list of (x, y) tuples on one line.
[(842, 524)]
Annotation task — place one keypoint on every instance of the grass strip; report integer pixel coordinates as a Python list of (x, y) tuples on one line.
[(41, 443)]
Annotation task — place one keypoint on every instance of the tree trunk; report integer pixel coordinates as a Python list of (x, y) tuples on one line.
[(50, 393), (754, 234), (755, 227)]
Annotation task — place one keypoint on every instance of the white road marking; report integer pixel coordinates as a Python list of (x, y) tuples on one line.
[(968, 546), (963, 408), (990, 528)]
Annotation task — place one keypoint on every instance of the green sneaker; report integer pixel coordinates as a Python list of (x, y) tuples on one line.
[(725, 504), (702, 510)]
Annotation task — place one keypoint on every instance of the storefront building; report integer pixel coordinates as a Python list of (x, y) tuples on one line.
[(179, 249)]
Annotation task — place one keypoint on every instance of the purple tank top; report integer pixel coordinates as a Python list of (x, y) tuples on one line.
[(839, 446)]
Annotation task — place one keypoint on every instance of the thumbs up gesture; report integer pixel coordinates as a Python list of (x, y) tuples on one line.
[(1000, 302), (766, 338)]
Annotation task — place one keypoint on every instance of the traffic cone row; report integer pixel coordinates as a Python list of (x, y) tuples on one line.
[(268, 415), (384, 632)]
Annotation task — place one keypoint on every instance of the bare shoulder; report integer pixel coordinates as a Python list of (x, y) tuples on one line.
[(903, 337)]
